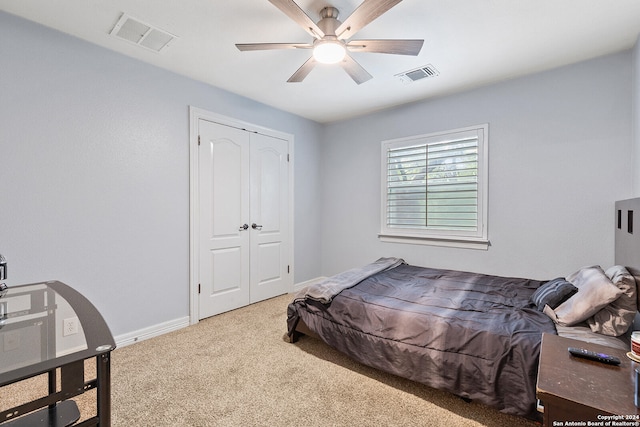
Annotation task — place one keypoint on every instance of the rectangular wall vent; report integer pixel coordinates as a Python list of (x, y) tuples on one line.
[(418, 74), (141, 34)]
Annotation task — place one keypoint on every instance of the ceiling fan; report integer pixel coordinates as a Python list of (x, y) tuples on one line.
[(332, 44)]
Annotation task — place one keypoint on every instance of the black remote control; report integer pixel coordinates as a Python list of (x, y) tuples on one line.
[(592, 355)]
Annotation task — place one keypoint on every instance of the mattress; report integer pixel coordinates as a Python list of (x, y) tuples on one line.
[(477, 336)]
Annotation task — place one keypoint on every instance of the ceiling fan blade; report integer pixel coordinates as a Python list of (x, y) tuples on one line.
[(364, 14), (355, 70), (303, 71), (269, 46), (397, 47), (293, 11)]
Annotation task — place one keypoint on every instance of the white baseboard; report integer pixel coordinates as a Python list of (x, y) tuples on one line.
[(301, 285), (152, 331), (173, 325)]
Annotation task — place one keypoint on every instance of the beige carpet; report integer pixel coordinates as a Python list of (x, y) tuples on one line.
[(236, 370)]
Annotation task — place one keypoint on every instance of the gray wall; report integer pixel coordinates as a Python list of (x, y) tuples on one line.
[(559, 156), (94, 172), (636, 118)]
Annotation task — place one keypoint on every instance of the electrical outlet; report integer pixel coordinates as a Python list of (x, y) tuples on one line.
[(12, 340), (70, 326)]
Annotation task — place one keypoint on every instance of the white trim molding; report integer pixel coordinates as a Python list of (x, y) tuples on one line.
[(434, 189), (151, 331), (182, 322), (447, 243)]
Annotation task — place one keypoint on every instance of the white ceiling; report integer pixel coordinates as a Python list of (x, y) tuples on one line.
[(470, 42)]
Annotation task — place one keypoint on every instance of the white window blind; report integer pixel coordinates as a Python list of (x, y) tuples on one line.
[(435, 185)]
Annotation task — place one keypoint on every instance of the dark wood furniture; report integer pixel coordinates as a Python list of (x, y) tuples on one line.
[(576, 389), (49, 328)]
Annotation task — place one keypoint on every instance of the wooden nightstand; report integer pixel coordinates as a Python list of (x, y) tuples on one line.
[(575, 389)]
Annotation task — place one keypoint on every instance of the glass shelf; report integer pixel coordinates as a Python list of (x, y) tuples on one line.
[(49, 325)]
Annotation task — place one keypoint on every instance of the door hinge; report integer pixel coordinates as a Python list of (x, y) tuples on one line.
[(199, 290), (288, 269), (287, 157), (198, 139)]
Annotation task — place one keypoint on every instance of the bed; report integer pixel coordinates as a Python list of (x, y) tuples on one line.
[(474, 335)]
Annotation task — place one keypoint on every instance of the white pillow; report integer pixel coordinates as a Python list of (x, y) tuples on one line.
[(595, 291), (616, 318)]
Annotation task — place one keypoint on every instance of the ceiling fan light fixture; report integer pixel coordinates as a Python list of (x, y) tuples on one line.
[(329, 51), (332, 38)]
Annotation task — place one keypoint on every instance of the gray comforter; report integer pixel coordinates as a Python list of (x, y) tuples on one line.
[(474, 335), (329, 288)]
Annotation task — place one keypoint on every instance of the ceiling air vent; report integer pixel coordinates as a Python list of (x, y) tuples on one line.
[(141, 34), (418, 74)]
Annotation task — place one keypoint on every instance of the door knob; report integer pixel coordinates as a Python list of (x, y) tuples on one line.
[(243, 227), (256, 226)]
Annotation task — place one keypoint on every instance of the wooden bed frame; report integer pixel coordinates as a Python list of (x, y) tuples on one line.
[(627, 242)]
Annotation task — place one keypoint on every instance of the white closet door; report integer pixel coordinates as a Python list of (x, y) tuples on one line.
[(269, 217), (243, 218), (224, 210)]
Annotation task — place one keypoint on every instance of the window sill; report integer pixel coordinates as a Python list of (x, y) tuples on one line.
[(434, 241)]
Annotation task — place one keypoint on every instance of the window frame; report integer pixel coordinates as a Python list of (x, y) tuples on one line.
[(477, 239)]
